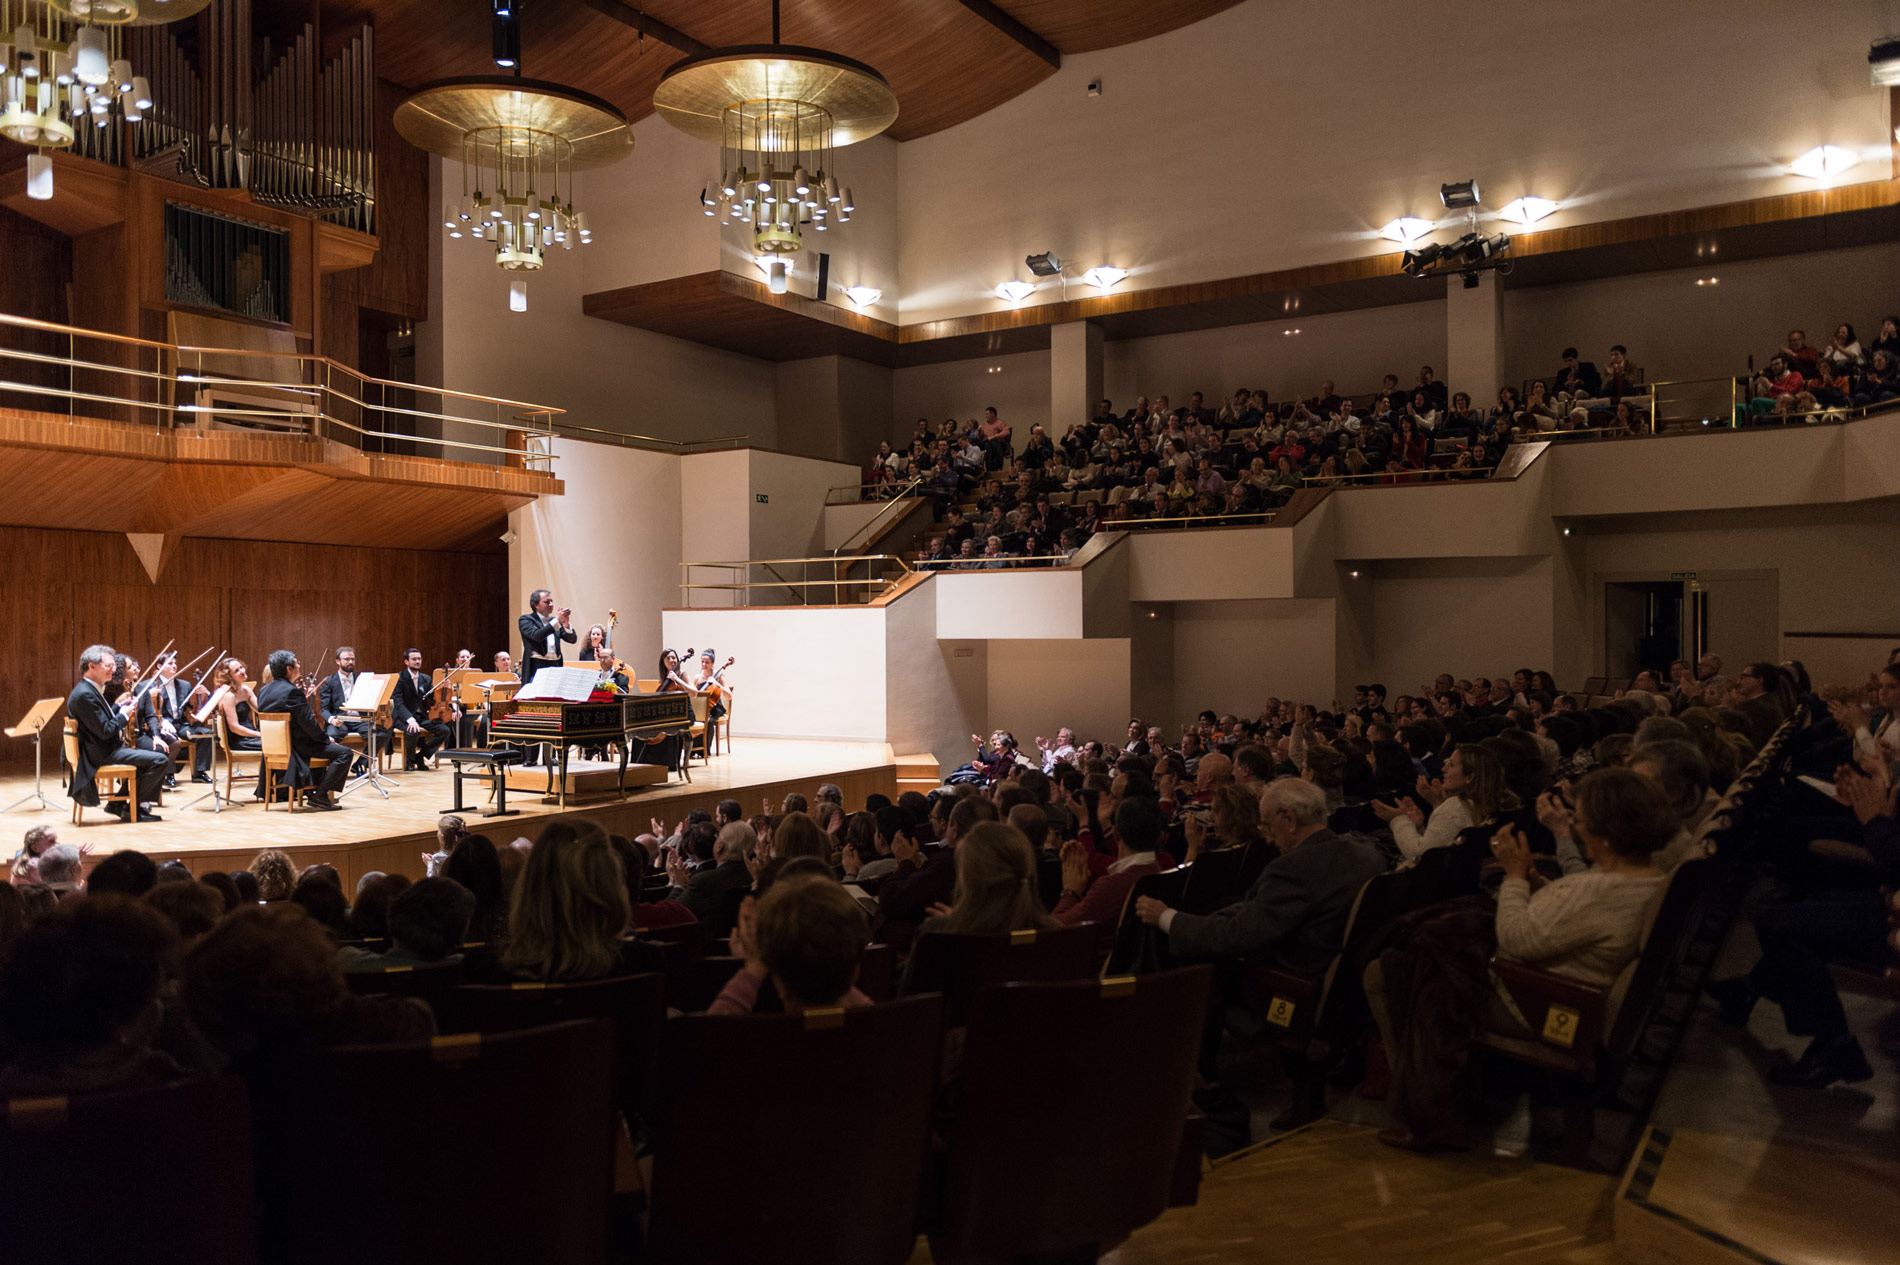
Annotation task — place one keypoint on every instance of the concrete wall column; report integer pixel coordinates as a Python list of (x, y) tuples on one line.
[(1075, 375), (1474, 338)]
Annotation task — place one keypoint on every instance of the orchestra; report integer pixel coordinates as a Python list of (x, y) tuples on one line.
[(147, 718)]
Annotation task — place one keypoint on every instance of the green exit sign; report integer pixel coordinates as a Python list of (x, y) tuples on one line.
[(761, 498)]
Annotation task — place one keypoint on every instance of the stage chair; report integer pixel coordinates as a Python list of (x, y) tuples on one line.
[(698, 737), (961, 967), (173, 1165), (255, 759), (1025, 1171), (856, 1142), (481, 1150), (723, 726), (647, 687), (635, 1004), (275, 726), (103, 778)]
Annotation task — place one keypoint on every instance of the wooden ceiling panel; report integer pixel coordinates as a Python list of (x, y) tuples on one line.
[(945, 63), (1079, 26)]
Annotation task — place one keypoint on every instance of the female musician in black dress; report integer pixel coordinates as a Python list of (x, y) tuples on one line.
[(670, 678), (239, 706)]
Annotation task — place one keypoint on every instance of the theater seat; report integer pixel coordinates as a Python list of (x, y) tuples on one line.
[(1090, 1153), (961, 966), (794, 1139), (158, 1176), (475, 1150)]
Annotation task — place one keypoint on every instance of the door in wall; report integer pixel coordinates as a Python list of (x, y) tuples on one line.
[(1642, 626)]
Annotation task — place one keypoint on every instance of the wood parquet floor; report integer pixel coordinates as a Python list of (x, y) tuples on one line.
[(1333, 1194)]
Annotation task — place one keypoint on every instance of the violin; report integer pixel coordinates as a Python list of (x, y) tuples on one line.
[(443, 705)]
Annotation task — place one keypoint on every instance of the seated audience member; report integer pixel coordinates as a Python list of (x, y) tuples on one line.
[(274, 874), (59, 870), (25, 869), (919, 883), (1763, 706), (193, 909), (1232, 820), (1431, 996), (570, 918), (246, 884), (476, 865), (704, 891), (319, 896), (1295, 914), (266, 983), (369, 916), (799, 836), (1577, 378), (995, 890), (1089, 897), (79, 1000), (427, 924), (807, 935), (1472, 791), (124, 873), (889, 825), (1799, 938)]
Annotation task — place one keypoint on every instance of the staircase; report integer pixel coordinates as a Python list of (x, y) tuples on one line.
[(917, 773)]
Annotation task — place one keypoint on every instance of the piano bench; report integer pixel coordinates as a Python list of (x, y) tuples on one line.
[(490, 760)]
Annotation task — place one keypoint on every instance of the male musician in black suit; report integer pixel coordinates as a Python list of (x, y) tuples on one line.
[(165, 717), (543, 629), (102, 738), (282, 693), (410, 704), (333, 693)]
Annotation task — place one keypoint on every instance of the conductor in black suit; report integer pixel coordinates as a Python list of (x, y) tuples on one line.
[(102, 738), (410, 706), (543, 629), (283, 694)]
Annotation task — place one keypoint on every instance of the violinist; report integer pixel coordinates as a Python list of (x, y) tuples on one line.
[(166, 723), (286, 693), (411, 704), (331, 698), (101, 725)]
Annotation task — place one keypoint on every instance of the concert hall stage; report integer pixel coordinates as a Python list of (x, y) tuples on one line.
[(371, 833)]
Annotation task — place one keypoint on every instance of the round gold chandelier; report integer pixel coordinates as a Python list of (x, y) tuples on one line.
[(519, 142), (64, 66), (779, 113)]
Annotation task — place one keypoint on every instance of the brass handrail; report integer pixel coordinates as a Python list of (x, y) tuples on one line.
[(898, 499), (688, 585), (530, 420), (565, 428)]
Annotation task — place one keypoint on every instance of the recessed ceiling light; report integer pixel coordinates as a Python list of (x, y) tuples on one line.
[(1527, 210), (1288, 333), (1824, 162), (863, 296), (1014, 291), (1103, 276), (1407, 229)]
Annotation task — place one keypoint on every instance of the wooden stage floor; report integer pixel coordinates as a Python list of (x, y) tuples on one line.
[(371, 833)]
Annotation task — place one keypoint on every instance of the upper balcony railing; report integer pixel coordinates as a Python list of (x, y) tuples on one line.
[(170, 386)]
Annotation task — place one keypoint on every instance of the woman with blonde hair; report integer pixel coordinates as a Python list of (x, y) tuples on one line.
[(570, 917), (275, 875), (996, 885)]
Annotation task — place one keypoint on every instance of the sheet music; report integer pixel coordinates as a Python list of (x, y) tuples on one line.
[(569, 685), (366, 694), (203, 715)]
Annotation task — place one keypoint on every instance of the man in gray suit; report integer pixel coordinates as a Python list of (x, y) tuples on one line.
[(1294, 918)]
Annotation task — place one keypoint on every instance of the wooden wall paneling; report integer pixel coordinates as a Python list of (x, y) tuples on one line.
[(103, 300), (71, 588), (39, 267)]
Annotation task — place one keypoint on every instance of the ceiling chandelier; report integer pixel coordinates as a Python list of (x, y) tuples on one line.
[(65, 66), (779, 113), (519, 142)]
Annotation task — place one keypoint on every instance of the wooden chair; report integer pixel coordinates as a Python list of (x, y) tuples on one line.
[(1025, 1172), (693, 981), (1218, 878), (961, 967), (645, 686), (275, 726), (232, 759), (474, 1149), (634, 1004), (723, 726), (1595, 685), (103, 778), (175, 1159), (857, 1142), (698, 737), (1140, 948), (431, 983)]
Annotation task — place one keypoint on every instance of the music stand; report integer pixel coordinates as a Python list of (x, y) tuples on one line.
[(368, 698), (202, 719), (36, 719)]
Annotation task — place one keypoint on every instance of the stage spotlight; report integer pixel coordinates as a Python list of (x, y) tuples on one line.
[(1044, 265), (1457, 197)]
